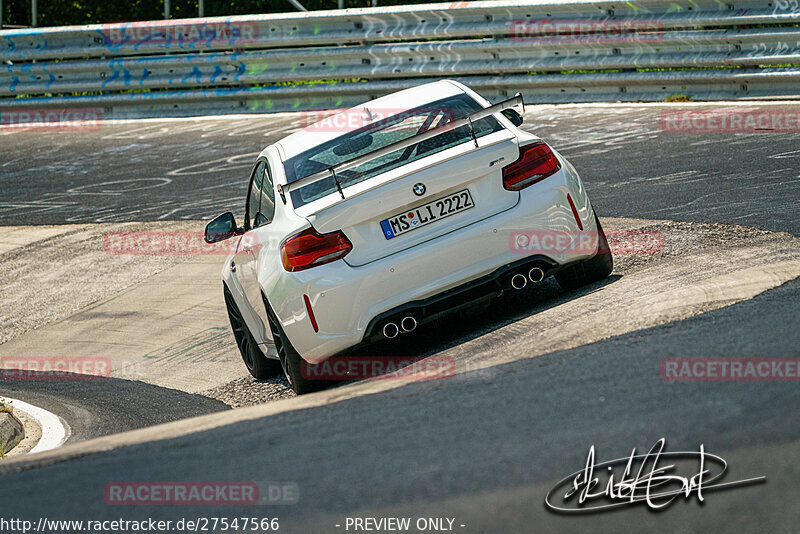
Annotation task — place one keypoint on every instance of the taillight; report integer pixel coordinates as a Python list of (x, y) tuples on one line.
[(309, 249), (536, 162)]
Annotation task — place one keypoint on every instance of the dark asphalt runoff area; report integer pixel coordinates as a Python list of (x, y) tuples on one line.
[(482, 448), (98, 407)]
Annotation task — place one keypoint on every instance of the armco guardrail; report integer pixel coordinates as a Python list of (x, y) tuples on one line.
[(554, 51)]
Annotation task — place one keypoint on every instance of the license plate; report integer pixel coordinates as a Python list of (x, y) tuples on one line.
[(426, 214)]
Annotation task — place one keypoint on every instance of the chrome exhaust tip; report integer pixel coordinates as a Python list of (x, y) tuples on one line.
[(390, 331), (518, 281), (408, 324), (536, 275)]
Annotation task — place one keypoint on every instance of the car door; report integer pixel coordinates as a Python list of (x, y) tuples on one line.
[(266, 245), (247, 249)]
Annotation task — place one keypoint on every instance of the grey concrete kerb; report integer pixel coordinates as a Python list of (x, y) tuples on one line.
[(47, 430)]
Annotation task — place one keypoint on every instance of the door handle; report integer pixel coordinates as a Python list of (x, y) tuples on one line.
[(233, 267)]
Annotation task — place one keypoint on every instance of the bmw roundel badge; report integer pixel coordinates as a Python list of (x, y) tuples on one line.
[(419, 189)]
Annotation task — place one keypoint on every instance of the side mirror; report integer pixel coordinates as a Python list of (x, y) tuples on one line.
[(222, 228), (512, 115)]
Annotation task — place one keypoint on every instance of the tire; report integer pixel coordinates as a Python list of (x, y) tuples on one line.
[(592, 270), (259, 366), (291, 362)]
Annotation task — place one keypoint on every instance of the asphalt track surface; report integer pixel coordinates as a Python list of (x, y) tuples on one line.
[(485, 450), (485, 447), (151, 171)]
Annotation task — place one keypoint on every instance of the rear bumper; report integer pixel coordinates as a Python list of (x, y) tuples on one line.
[(351, 304), (485, 287)]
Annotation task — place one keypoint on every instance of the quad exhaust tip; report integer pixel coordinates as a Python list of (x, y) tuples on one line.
[(518, 281), (536, 275), (390, 330), (408, 324)]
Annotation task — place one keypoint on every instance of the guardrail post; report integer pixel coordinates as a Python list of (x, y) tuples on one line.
[(634, 42), (34, 13)]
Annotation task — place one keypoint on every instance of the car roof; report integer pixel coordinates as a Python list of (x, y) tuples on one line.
[(309, 137)]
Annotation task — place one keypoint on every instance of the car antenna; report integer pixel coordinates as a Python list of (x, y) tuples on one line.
[(472, 131), (335, 179)]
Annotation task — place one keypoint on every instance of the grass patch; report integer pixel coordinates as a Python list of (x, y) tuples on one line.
[(679, 98)]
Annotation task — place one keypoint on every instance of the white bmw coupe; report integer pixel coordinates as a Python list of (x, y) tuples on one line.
[(372, 221)]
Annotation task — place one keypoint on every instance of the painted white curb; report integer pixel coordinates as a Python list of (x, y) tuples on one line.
[(54, 431)]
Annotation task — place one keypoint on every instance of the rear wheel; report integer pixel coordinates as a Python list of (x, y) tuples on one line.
[(292, 363), (257, 364), (592, 270)]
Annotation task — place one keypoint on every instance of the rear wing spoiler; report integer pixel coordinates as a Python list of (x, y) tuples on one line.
[(514, 101)]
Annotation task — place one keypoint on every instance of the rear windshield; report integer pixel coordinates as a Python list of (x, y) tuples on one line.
[(380, 134)]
